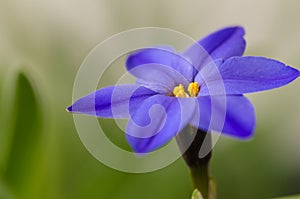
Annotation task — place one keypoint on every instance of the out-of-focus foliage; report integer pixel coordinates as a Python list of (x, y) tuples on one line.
[(21, 133), (41, 155)]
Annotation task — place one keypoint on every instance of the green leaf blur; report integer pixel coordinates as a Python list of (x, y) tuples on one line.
[(23, 139)]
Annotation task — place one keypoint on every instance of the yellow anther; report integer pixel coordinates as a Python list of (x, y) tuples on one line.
[(179, 91), (193, 89)]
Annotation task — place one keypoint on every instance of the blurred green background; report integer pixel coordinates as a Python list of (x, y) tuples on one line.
[(42, 44)]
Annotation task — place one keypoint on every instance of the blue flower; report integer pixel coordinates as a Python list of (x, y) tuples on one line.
[(176, 89)]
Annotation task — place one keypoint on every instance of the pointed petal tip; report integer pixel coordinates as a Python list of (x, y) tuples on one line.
[(69, 109), (296, 73)]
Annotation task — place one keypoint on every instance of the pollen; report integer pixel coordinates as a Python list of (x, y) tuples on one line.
[(192, 91), (179, 91)]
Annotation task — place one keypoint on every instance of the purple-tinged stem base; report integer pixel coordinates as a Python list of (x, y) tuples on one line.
[(199, 167)]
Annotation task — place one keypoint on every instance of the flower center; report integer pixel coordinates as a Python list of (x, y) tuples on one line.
[(192, 91)]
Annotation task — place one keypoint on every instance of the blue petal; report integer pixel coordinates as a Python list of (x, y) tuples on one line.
[(112, 102), (248, 74), (160, 56), (221, 44), (159, 78), (157, 121), (210, 80), (232, 115)]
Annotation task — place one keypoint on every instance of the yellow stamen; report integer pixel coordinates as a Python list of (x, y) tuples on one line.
[(179, 91), (193, 89)]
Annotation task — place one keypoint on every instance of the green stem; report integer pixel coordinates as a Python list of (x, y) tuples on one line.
[(190, 140), (200, 177)]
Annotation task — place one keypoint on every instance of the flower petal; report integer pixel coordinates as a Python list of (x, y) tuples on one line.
[(232, 115), (112, 102), (248, 74), (159, 78), (160, 56), (221, 44), (157, 121)]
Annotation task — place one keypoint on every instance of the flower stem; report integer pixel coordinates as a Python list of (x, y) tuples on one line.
[(200, 177), (190, 141)]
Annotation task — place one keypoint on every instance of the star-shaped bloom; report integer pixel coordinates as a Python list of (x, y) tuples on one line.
[(202, 87)]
